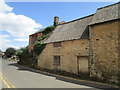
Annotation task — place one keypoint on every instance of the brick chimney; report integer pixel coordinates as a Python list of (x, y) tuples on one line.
[(56, 21)]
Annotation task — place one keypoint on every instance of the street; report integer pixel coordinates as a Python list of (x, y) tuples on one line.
[(13, 77)]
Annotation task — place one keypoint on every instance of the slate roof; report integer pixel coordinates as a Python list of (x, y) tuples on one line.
[(70, 30), (106, 13), (78, 28)]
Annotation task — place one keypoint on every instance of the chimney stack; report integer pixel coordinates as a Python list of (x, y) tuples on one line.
[(56, 21)]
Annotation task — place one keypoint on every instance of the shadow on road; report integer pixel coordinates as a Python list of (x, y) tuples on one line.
[(85, 83)]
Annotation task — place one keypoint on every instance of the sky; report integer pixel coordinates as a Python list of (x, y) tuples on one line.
[(20, 19)]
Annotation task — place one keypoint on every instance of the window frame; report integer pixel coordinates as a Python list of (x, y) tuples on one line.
[(56, 60), (57, 44)]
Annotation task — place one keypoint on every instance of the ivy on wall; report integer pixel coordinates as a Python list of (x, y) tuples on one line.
[(39, 45)]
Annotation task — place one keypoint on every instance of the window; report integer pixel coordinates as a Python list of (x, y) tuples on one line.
[(97, 39), (57, 44), (57, 60)]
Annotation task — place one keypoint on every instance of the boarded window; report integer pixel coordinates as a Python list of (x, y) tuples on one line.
[(57, 44), (57, 60)]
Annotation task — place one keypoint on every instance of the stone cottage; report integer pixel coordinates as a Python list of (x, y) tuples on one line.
[(66, 46), (88, 45)]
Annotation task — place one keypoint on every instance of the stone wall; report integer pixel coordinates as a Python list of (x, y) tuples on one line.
[(104, 47), (68, 53)]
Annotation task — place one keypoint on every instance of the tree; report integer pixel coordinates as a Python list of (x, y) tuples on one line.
[(10, 52), (21, 50), (26, 58)]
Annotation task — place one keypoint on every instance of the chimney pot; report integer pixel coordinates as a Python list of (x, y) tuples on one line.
[(62, 22)]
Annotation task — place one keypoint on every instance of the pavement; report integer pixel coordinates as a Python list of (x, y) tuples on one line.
[(15, 76)]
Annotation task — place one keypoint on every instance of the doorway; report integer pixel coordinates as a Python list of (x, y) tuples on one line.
[(82, 63)]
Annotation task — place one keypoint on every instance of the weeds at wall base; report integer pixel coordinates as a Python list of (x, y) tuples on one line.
[(81, 76)]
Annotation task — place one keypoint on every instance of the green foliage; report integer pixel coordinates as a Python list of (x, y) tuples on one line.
[(10, 52), (21, 51), (24, 53), (43, 37), (38, 47), (30, 58), (26, 58), (48, 29)]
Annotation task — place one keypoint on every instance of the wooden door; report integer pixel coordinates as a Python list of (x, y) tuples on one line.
[(82, 64)]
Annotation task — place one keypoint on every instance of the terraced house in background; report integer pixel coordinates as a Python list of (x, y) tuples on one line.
[(88, 45), (34, 37)]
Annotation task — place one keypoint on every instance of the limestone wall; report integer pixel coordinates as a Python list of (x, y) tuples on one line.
[(104, 47), (68, 53)]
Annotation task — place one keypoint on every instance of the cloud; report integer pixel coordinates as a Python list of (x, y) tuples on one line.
[(5, 42), (18, 26), (21, 39), (4, 7)]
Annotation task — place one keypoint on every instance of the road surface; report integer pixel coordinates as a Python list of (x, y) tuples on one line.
[(14, 77)]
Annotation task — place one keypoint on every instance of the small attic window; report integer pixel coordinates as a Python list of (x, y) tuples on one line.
[(57, 44), (97, 39)]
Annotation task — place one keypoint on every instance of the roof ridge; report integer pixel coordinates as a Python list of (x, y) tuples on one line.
[(76, 19), (108, 5), (101, 15)]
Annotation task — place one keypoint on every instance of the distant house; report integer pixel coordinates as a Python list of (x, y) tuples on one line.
[(34, 37), (87, 45), (1, 53)]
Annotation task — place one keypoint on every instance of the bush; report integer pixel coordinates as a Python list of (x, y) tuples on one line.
[(26, 58)]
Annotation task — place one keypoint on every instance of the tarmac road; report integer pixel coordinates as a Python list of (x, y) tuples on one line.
[(14, 77)]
